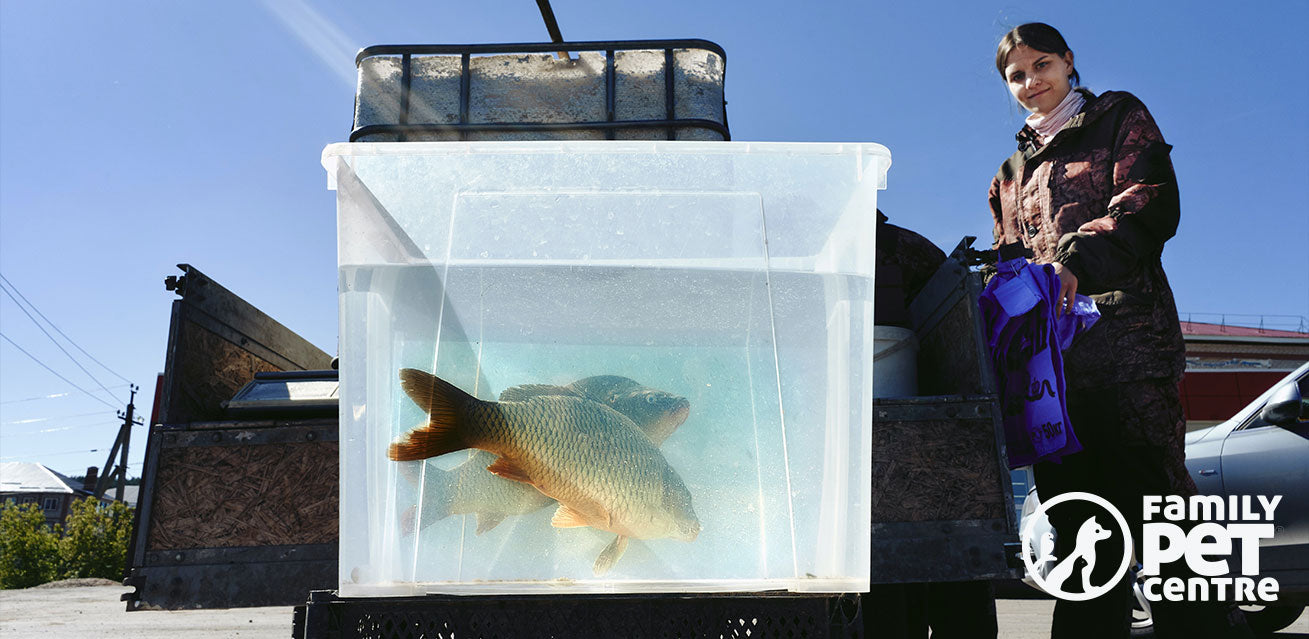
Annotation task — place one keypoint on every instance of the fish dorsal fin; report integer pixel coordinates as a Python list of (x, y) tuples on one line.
[(566, 517), (525, 392), (509, 470), (441, 401)]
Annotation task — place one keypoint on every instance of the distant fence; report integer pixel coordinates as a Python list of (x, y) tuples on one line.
[(1296, 323)]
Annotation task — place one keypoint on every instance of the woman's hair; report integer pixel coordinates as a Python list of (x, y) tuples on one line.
[(1036, 35)]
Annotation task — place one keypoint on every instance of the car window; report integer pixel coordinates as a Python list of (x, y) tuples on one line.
[(1256, 420)]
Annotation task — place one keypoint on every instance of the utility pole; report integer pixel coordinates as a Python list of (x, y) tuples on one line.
[(124, 438)]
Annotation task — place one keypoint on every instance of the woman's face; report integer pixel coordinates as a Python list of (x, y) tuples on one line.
[(1038, 80)]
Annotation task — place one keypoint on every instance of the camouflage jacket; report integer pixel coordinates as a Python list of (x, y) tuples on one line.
[(1109, 160)]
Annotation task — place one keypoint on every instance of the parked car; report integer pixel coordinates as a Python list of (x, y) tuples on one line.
[(1262, 450)]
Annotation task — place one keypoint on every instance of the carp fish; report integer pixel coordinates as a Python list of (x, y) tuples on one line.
[(471, 489), (602, 468)]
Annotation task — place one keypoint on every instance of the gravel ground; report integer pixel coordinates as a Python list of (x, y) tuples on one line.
[(63, 609), (90, 609)]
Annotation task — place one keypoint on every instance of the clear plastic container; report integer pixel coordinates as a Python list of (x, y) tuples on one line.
[(735, 276)]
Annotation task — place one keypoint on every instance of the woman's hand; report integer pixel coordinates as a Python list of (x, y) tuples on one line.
[(1067, 288)]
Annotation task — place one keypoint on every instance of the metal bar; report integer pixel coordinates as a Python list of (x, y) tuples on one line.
[(537, 47), (145, 500), (669, 97), (377, 129), (552, 26), (249, 436), (611, 85), (406, 78), (242, 554), (328, 374), (327, 424), (465, 86), (942, 411)]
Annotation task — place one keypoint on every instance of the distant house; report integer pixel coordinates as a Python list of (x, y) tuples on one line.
[(26, 482)]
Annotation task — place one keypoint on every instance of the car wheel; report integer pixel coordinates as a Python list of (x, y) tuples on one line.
[(1265, 620), (1142, 620)]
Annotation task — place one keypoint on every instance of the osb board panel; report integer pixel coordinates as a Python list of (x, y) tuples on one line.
[(947, 356), (250, 495), (212, 370), (935, 471)]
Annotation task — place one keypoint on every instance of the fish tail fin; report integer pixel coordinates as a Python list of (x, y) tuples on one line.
[(438, 495), (442, 433)]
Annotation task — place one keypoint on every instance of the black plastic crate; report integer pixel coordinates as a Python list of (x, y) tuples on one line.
[(684, 616)]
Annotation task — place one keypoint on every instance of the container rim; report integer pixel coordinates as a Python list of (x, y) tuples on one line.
[(509, 147)]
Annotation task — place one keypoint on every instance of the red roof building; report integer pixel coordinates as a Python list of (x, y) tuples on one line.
[(1228, 367)]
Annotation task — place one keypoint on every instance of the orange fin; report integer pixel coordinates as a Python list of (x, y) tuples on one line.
[(509, 470), (525, 392), (442, 433), (566, 517)]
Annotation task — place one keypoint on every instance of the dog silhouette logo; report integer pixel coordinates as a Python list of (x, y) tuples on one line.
[(1052, 573)]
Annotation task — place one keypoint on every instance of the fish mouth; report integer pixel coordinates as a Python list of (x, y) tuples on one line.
[(690, 533), (681, 412)]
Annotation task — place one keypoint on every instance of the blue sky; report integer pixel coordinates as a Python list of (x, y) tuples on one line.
[(138, 135)]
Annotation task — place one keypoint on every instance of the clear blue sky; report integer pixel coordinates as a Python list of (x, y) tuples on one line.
[(137, 135)]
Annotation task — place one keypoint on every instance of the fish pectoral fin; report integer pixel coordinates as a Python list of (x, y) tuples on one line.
[(487, 521), (441, 401), (509, 470), (525, 392), (610, 555), (566, 517)]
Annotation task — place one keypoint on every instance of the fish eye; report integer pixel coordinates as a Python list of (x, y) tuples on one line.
[(650, 399)]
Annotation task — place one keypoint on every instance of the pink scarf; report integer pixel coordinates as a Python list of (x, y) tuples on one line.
[(1049, 124)]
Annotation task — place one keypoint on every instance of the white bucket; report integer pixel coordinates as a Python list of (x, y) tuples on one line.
[(895, 362)]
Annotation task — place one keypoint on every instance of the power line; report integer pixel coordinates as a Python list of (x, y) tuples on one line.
[(56, 342), (52, 325), (49, 419), (57, 429), (56, 374), (52, 396), (66, 452)]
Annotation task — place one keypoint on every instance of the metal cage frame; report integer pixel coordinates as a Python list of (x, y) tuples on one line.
[(670, 122)]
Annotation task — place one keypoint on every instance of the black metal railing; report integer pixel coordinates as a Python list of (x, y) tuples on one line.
[(671, 123)]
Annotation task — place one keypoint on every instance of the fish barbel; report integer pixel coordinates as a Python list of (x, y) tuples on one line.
[(603, 470)]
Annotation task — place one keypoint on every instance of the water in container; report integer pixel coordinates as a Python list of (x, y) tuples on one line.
[(605, 366)]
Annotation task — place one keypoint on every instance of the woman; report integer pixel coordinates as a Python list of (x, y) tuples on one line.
[(1091, 191)]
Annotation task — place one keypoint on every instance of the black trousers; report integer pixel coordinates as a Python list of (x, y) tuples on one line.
[(1120, 465)]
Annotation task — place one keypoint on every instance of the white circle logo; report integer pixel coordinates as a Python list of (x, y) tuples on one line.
[(1091, 532)]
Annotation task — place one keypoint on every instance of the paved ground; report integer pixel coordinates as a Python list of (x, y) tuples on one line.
[(95, 612)]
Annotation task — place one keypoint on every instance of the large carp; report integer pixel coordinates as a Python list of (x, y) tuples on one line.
[(604, 471), (471, 489)]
